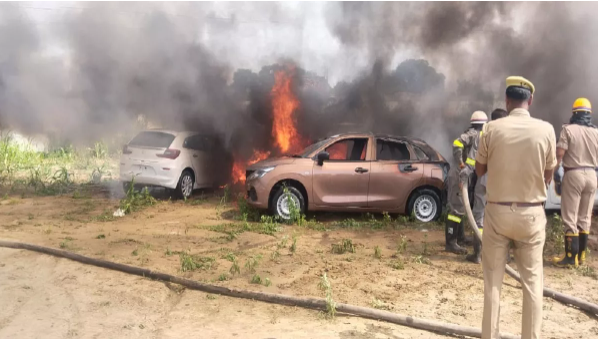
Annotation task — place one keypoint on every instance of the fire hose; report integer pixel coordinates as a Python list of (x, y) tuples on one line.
[(305, 302), (548, 292)]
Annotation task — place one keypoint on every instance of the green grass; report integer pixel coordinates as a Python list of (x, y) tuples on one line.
[(253, 262), (377, 252), (192, 262), (135, 200), (344, 246), (101, 236)]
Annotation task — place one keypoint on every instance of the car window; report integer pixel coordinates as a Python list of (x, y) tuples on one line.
[(391, 151), (419, 153), (153, 139), (198, 142), (353, 149)]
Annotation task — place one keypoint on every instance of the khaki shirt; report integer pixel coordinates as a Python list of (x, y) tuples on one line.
[(580, 143), (518, 150)]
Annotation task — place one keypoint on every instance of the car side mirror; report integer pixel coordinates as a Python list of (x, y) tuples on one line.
[(321, 157)]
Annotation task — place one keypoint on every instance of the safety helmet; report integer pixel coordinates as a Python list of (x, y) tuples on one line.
[(581, 104), (478, 117)]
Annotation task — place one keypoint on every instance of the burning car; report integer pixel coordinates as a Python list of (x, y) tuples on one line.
[(360, 172), (177, 160)]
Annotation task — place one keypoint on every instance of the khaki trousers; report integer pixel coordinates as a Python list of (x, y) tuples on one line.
[(526, 228), (578, 197)]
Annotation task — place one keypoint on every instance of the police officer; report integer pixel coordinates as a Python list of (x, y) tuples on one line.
[(519, 154), (480, 190), (464, 151), (577, 146)]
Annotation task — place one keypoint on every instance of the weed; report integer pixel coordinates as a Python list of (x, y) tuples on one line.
[(101, 236), (397, 265), (420, 259), (425, 251), (377, 252), (267, 282), (256, 279), (210, 297), (403, 244), (378, 304), (64, 245), (234, 268), (293, 246), (283, 242), (325, 286), (295, 214), (247, 212), (252, 263), (168, 252), (350, 223), (223, 277), (135, 252), (193, 262), (96, 176), (275, 255), (587, 271), (386, 218), (230, 256), (555, 234), (269, 225), (135, 200), (345, 246), (30, 216), (226, 195), (312, 224)]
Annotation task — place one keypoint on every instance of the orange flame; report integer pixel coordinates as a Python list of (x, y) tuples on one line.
[(238, 172), (284, 105)]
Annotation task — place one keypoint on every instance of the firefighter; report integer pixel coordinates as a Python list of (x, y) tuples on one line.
[(577, 147), (464, 151), (480, 190)]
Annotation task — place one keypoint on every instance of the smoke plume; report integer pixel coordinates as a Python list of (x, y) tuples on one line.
[(89, 71)]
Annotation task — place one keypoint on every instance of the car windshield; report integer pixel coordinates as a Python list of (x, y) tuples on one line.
[(307, 151), (153, 139)]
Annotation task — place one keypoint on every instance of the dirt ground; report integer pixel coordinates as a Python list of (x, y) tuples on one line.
[(48, 297)]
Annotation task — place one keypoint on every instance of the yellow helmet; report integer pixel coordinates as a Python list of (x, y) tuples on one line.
[(581, 104), (478, 117)]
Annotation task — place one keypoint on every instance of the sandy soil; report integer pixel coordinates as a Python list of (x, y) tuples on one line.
[(48, 297)]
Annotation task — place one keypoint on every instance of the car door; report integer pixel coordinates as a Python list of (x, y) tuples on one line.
[(395, 172), (343, 180), (199, 159)]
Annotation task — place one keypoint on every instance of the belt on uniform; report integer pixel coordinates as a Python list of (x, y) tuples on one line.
[(579, 168), (518, 204)]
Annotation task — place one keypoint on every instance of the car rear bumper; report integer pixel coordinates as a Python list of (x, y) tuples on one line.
[(167, 179)]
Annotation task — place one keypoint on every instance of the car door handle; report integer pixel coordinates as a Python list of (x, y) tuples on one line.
[(361, 170), (409, 168)]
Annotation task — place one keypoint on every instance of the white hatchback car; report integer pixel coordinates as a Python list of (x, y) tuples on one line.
[(554, 197), (181, 161)]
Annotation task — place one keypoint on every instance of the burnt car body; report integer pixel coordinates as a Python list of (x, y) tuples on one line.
[(360, 172)]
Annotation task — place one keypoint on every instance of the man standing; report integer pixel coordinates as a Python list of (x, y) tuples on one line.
[(519, 153), (464, 149), (480, 190), (577, 147)]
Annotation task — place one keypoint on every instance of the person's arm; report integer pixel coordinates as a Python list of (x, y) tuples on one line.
[(562, 146), (482, 154), (551, 157), (458, 149)]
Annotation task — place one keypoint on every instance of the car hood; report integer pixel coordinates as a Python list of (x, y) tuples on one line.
[(271, 162)]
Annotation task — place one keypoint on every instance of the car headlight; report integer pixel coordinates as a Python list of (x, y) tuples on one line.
[(260, 173)]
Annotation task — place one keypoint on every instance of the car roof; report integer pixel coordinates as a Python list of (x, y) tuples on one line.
[(172, 132), (375, 135)]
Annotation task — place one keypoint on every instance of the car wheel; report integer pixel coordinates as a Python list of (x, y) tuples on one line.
[(425, 204), (282, 206), (185, 185)]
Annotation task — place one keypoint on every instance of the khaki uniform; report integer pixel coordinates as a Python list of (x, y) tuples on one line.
[(517, 150), (579, 185)]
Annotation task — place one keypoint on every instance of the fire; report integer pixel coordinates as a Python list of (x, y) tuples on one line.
[(238, 172), (284, 105)]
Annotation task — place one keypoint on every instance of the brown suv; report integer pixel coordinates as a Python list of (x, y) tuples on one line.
[(353, 172)]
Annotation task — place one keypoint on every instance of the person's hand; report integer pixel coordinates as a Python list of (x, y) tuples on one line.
[(462, 165)]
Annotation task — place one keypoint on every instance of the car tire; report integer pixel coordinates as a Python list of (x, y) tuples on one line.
[(185, 185), (279, 205), (425, 204)]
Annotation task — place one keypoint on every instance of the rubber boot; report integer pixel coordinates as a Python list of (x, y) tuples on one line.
[(583, 238), (464, 240), (475, 257), (451, 238), (570, 258)]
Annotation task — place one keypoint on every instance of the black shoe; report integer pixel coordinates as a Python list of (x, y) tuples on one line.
[(583, 238), (475, 257), (570, 258), (451, 244)]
